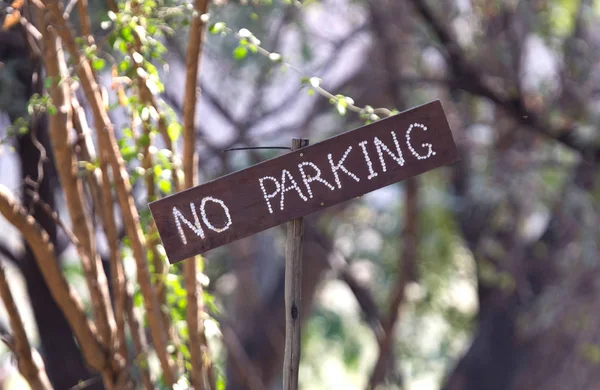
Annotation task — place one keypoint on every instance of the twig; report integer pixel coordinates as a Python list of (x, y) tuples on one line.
[(242, 363), (88, 153), (107, 142), (469, 78), (84, 19), (341, 268), (406, 273), (69, 8), (66, 165), (195, 305), (31, 370), (116, 264), (140, 345), (148, 99), (62, 293), (314, 82), (9, 255), (259, 148), (86, 383)]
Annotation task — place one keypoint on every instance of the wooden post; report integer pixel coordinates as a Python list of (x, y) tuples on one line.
[(293, 294)]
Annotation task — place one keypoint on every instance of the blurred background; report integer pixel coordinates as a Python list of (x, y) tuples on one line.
[(479, 275)]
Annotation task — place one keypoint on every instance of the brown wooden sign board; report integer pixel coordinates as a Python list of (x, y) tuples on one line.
[(304, 181)]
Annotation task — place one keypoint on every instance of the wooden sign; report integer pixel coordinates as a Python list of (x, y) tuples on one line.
[(304, 181)]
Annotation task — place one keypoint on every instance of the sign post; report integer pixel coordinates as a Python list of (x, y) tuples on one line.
[(306, 180), (293, 294)]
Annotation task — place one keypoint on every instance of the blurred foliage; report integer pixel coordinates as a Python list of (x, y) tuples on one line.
[(132, 50)]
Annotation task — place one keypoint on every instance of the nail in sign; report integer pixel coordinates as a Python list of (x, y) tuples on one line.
[(304, 181)]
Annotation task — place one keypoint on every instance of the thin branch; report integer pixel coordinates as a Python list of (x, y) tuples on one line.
[(243, 365), (194, 307), (88, 153), (339, 265), (140, 345), (31, 368), (69, 8), (100, 189), (159, 265), (66, 298), (9, 255), (108, 142), (116, 264), (66, 164), (469, 78), (313, 81), (406, 273), (84, 19)]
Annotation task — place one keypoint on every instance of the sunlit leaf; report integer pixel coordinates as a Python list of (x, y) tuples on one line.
[(240, 52)]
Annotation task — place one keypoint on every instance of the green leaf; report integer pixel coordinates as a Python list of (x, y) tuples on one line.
[(158, 169), (174, 130), (123, 66), (48, 82), (164, 186), (221, 382), (127, 34), (98, 63), (137, 299), (240, 53), (127, 133), (184, 351), (89, 166), (144, 140)]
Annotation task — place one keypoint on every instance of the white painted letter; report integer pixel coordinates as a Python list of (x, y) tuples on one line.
[(430, 152), (307, 180), (340, 167), (381, 147), (203, 212), (372, 173), (269, 196), (196, 228), (294, 186)]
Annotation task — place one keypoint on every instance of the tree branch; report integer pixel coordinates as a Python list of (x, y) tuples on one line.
[(194, 307), (66, 165), (140, 345), (60, 289), (469, 78), (31, 368), (107, 142)]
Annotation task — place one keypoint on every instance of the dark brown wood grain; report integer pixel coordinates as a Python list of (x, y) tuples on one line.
[(242, 194)]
